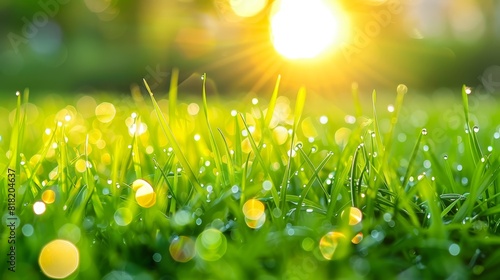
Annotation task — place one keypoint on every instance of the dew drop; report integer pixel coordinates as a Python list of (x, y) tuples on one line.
[(424, 131), (402, 89), (475, 129), (445, 157), (157, 257), (454, 249)]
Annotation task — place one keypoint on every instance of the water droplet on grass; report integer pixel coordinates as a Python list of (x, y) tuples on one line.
[(157, 257), (402, 89), (454, 249), (424, 131), (267, 185)]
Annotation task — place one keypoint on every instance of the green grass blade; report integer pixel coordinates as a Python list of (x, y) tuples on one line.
[(272, 103), (230, 165), (256, 151), (175, 146), (299, 107), (172, 95), (357, 102), (213, 144)]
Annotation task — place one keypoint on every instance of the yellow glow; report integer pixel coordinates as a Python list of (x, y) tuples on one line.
[(145, 194), (329, 243), (49, 196), (253, 209), (304, 29), (139, 183), (59, 259), (182, 249), (247, 8), (81, 165), (357, 238), (280, 134), (105, 112), (355, 216)]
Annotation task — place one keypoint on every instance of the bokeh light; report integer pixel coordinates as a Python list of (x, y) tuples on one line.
[(211, 245), (182, 249), (144, 193), (39, 207), (105, 112), (357, 238), (59, 259), (49, 196), (253, 209), (355, 215), (123, 216), (330, 244)]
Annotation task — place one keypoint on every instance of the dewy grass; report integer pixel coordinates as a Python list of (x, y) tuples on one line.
[(255, 192)]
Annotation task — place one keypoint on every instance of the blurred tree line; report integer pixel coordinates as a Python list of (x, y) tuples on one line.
[(67, 45)]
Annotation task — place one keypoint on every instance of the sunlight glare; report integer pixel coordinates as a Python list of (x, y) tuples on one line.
[(305, 29), (247, 8)]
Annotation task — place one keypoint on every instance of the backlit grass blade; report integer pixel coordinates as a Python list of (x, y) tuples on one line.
[(272, 103), (172, 95), (62, 161), (213, 144), (230, 165), (96, 201), (299, 107), (482, 178), (315, 178), (175, 146), (401, 92), (428, 193), (473, 144), (357, 102), (342, 174), (352, 182), (136, 160), (115, 167), (412, 160), (259, 158)]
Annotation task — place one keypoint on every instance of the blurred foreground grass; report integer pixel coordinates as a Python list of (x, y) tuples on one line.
[(170, 188)]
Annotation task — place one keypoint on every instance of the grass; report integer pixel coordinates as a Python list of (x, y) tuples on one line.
[(249, 190)]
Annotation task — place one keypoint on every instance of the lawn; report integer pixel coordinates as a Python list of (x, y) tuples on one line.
[(393, 184)]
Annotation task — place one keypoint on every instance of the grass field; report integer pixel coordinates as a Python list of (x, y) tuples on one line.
[(397, 184)]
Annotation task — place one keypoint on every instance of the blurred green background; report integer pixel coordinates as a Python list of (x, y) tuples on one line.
[(69, 46)]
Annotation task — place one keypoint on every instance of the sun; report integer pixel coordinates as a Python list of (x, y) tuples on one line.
[(305, 29)]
